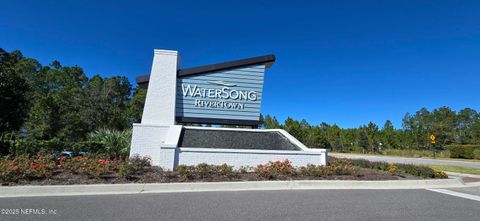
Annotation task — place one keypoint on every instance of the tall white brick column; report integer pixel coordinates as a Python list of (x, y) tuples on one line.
[(158, 128), (161, 94)]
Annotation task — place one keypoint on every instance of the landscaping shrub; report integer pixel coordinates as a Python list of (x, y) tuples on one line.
[(24, 167), (275, 169), (136, 165), (314, 170), (116, 143), (416, 170), (333, 161), (326, 171), (34, 147), (339, 166), (341, 170), (271, 170), (31, 147), (476, 154), (462, 151), (93, 167), (282, 169), (421, 171), (140, 164), (203, 170), (392, 168), (186, 172), (246, 169)]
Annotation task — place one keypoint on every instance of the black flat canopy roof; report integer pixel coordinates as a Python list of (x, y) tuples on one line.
[(268, 60)]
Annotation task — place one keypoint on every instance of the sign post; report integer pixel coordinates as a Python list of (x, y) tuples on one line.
[(433, 141)]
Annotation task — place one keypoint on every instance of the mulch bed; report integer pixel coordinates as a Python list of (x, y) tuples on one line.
[(156, 176)]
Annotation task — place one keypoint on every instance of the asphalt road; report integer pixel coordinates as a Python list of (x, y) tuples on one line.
[(252, 205), (392, 159)]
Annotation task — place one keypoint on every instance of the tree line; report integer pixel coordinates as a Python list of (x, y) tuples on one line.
[(55, 101), (61, 102), (449, 127)]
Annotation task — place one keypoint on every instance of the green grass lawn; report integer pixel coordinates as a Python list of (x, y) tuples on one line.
[(457, 169)]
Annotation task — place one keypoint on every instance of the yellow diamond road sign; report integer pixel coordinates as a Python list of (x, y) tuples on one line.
[(432, 139)]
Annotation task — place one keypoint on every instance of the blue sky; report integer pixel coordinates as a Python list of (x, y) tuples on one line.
[(344, 62)]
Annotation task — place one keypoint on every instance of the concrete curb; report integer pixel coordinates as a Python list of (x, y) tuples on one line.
[(109, 189)]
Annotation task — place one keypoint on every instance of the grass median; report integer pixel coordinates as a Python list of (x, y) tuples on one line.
[(456, 169)]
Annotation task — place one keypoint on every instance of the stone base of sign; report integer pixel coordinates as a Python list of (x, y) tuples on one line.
[(161, 143), (236, 158)]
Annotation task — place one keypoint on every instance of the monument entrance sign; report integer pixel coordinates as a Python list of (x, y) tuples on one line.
[(228, 93)]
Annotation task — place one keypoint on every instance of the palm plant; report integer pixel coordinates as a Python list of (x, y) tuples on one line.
[(117, 143)]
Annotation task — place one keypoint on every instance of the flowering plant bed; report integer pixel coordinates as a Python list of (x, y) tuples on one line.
[(46, 170)]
